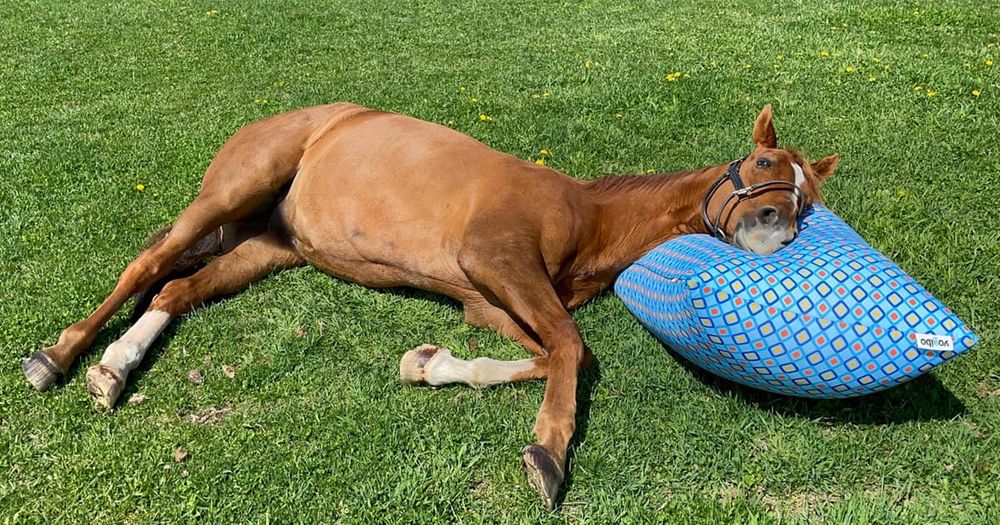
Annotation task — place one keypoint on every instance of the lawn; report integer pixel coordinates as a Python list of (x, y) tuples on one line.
[(110, 112)]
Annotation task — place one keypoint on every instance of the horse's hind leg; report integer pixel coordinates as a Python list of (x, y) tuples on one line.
[(245, 177), (43, 368), (248, 262)]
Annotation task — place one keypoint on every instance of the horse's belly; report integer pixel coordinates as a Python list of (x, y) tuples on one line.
[(353, 235)]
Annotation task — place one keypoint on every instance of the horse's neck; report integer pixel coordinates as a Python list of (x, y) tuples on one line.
[(636, 213)]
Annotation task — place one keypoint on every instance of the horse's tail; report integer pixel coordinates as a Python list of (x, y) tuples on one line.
[(189, 262)]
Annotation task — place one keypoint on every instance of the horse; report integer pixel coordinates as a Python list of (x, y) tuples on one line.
[(386, 200)]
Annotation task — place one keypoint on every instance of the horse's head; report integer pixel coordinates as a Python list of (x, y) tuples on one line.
[(756, 204)]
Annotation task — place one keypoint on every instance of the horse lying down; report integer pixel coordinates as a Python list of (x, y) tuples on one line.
[(384, 200)]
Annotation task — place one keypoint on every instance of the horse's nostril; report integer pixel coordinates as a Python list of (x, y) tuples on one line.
[(768, 215)]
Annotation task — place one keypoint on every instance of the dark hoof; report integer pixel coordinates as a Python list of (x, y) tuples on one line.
[(411, 366), (543, 473), (40, 371)]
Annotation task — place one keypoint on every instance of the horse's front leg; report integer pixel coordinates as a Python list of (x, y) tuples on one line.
[(520, 285), (433, 365)]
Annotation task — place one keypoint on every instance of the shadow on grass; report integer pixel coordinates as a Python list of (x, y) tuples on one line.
[(588, 379), (922, 399), (416, 293), (111, 333)]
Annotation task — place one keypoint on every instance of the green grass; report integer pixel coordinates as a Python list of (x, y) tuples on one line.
[(97, 98)]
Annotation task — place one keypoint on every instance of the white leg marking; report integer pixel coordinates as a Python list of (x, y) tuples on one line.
[(443, 369), (126, 353)]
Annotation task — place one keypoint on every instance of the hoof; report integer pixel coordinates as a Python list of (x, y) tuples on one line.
[(411, 366), (543, 473), (40, 371), (105, 384)]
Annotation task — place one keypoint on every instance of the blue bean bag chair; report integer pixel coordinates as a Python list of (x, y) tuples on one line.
[(825, 317)]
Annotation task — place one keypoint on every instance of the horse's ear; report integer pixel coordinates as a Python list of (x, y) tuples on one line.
[(824, 167), (763, 129)]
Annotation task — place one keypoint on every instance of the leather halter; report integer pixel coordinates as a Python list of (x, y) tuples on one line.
[(740, 192)]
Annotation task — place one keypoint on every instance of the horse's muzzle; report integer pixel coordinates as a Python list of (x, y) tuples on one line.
[(762, 237)]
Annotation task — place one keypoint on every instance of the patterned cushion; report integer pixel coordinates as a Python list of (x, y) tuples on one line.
[(825, 317)]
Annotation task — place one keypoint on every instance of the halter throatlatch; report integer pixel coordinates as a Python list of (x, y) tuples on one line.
[(740, 192)]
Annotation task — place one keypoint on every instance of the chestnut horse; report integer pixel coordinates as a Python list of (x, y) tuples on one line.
[(385, 200)]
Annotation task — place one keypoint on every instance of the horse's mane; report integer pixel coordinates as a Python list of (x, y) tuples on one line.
[(610, 184)]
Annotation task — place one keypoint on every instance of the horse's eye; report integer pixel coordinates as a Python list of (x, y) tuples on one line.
[(763, 163)]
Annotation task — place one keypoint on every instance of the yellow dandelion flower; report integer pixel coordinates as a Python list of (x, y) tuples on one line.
[(849, 69), (651, 170), (872, 79), (140, 187), (824, 53), (473, 100), (544, 152), (540, 162), (747, 66), (989, 62), (931, 93), (547, 94), (485, 118), (461, 89), (211, 12), (451, 123), (672, 77), (976, 92)]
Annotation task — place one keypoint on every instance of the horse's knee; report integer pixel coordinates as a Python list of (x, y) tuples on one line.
[(153, 262), (572, 355)]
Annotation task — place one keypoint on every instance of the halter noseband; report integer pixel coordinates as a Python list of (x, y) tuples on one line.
[(740, 192)]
